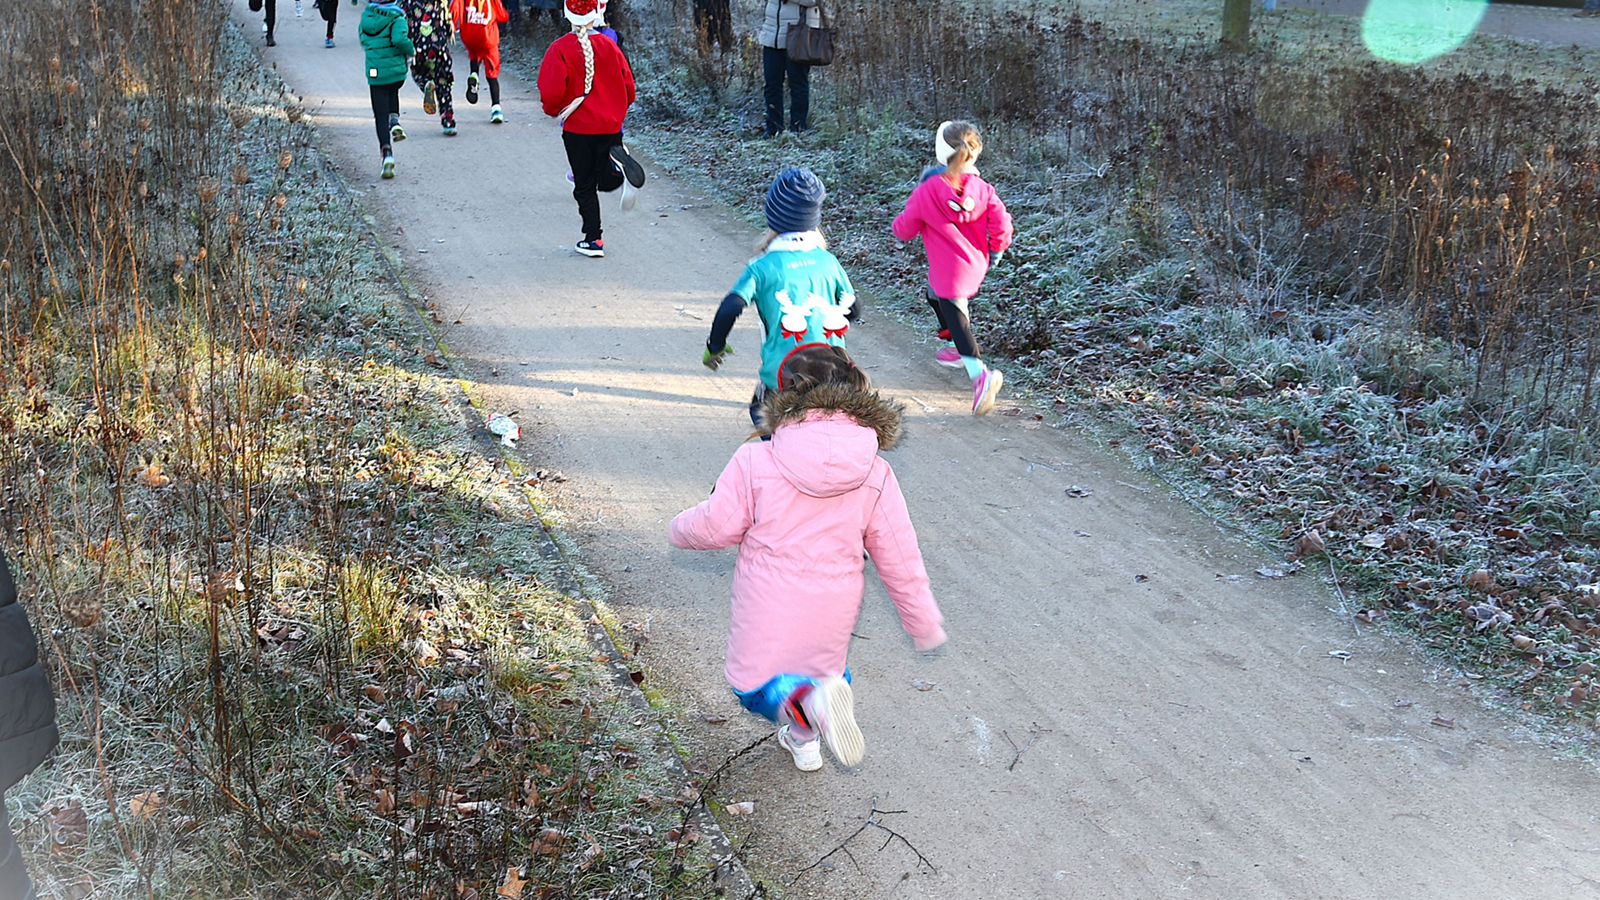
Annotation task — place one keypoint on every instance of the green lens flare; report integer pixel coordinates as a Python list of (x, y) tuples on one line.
[(1414, 31)]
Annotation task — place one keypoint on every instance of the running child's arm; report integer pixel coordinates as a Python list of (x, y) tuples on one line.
[(721, 519), (722, 323), (892, 543), (400, 36), (998, 220), (908, 224)]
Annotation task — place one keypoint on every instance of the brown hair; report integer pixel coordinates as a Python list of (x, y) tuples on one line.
[(810, 365), (966, 140)]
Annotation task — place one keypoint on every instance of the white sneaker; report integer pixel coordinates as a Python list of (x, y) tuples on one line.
[(831, 709), (299, 10), (807, 755), (630, 195)]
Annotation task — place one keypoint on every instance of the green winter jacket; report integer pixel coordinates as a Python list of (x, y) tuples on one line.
[(387, 42)]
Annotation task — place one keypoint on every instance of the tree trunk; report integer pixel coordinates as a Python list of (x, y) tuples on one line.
[(1236, 24)]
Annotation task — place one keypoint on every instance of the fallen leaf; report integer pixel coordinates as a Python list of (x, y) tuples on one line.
[(1078, 490), (1442, 722), (921, 685), (1373, 540), (511, 886), (712, 718), (144, 805), (1269, 572), (742, 808), (1480, 580), (1310, 544), (151, 475)]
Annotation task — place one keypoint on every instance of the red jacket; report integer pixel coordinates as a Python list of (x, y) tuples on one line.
[(561, 82), (478, 23)]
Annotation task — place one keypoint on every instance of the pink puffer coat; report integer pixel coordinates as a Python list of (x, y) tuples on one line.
[(803, 508)]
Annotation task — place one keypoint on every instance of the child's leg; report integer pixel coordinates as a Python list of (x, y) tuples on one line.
[(385, 105), (938, 313), (491, 71), (954, 316), (586, 153), (756, 400), (443, 79)]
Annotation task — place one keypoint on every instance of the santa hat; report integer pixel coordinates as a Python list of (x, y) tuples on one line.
[(794, 202), (584, 13), (941, 149)]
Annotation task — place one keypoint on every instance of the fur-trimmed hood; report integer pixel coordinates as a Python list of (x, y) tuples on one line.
[(825, 441), (866, 407)]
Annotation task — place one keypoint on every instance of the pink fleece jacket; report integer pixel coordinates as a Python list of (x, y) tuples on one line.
[(960, 227), (802, 508)]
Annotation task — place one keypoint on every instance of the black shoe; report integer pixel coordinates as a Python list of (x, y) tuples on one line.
[(631, 169), (472, 88), (271, 42), (595, 248)]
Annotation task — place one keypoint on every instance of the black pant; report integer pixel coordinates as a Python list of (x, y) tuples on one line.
[(14, 881), (329, 9), (953, 323), (385, 110), (271, 16), (589, 155), (775, 66)]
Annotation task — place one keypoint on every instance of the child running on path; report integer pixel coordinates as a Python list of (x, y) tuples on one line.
[(798, 287), (803, 508), (587, 87), (478, 23), (387, 43), (329, 10), (965, 228), (432, 29)]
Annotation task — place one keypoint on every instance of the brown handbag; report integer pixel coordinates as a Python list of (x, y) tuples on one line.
[(810, 44)]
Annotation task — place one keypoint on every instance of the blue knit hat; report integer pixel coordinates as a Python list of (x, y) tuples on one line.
[(794, 202)]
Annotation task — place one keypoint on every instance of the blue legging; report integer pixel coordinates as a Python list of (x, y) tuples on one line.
[(765, 701)]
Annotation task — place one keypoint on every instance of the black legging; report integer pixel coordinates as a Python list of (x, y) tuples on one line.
[(271, 17), (494, 83), (954, 325), (385, 110), (330, 13)]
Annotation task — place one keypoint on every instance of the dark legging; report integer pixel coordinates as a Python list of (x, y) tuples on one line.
[(385, 110), (589, 155), (14, 881), (270, 16), (330, 13), (494, 83), (954, 325)]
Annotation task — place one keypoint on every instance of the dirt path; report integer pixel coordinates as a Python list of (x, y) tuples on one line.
[(1124, 709)]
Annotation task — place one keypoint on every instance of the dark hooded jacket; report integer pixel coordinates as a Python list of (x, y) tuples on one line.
[(27, 702)]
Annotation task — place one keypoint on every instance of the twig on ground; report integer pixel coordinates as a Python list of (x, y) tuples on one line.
[(1033, 734), (1339, 589), (872, 821)]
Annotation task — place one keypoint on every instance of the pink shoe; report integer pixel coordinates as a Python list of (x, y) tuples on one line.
[(985, 389), (947, 356)]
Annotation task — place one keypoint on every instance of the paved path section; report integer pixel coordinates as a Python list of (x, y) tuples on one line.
[(1125, 708)]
